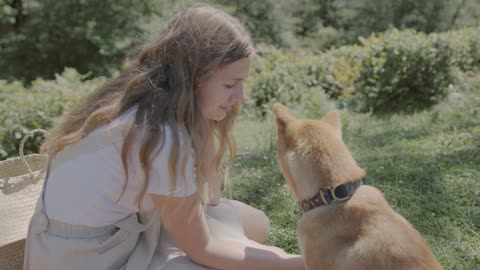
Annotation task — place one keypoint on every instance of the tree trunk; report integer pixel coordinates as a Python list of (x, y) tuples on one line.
[(19, 17)]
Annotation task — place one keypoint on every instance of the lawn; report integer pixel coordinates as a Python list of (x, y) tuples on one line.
[(427, 164)]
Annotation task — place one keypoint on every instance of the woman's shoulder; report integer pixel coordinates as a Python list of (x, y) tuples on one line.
[(124, 123), (114, 129)]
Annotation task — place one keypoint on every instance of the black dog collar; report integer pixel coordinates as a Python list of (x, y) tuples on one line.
[(327, 195)]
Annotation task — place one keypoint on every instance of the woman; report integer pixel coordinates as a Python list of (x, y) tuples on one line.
[(133, 176)]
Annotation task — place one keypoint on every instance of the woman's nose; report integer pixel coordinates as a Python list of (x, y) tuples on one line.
[(239, 94)]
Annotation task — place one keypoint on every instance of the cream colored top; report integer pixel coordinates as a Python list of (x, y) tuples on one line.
[(86, 180)]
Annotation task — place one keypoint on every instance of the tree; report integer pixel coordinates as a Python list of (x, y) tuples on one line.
[(353, 18), (40, 38)]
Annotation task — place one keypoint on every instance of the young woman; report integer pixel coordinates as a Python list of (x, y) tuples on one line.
[(133, 176)]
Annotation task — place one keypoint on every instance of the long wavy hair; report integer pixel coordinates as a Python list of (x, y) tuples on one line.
[(160, 78)]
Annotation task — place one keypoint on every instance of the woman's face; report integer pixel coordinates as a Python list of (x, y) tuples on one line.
[(217, 94)]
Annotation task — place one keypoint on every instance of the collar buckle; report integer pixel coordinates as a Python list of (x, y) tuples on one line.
[(325, 196), (340, 193)]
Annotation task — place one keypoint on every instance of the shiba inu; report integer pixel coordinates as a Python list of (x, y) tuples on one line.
[(346, 225)]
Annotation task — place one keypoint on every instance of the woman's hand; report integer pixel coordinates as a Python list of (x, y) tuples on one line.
[(185, 220)]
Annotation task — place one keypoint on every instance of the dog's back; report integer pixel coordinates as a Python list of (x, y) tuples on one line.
[(361, 233)]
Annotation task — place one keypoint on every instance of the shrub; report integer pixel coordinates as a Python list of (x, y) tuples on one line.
[(300, 80), (403, 71), (398, 71), (276, 77), (465, 46), (335, 71), (23, 109)]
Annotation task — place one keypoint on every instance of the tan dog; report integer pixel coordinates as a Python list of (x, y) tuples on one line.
[(355, 228)]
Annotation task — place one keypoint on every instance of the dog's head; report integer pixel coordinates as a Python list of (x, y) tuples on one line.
[(312, 154)]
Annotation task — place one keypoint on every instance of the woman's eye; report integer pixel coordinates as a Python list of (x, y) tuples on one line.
[(229, 86)]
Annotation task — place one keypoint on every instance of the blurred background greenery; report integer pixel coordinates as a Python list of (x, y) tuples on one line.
[(39, 38)]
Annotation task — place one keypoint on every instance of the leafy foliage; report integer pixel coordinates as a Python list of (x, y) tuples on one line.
[(23, 109), (38, 38), (465, 46), (339, 22), (397, 71), (269, 21), (404, 71), (277, 77), (41, 38)]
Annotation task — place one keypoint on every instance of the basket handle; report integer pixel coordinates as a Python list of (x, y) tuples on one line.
[(22, 143)]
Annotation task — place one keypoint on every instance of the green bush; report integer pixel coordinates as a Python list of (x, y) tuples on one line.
[(397, 71), (23, 109), (335, 71), (300, 79), (465, 46), (277, 77), (403, 71)]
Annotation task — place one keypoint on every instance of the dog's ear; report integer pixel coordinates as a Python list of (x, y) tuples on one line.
[(333, 119), (283, 116)]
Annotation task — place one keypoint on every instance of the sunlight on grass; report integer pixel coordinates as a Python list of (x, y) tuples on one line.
[(253, 135)]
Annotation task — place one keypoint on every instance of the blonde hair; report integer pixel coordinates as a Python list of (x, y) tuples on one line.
[(161, 78)]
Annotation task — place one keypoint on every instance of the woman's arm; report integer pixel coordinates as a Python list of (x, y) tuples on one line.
[(185, 220)]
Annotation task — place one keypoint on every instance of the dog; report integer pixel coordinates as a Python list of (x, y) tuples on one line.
[(345, 225)]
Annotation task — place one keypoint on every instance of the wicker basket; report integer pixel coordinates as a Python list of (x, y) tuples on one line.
[(21, 181)]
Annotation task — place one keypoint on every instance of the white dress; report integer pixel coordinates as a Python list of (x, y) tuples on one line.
[(89, 231)]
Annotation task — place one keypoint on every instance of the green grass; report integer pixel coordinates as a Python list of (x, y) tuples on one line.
[(427, 164)]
